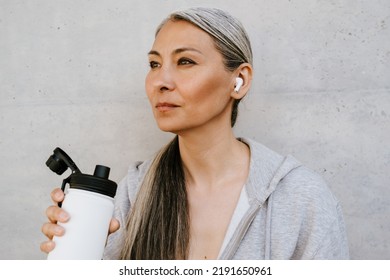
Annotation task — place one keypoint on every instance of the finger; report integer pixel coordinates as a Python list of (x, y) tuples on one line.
[(114, 225), (57, 195), (47, 246), (51, 230), (57, 214)]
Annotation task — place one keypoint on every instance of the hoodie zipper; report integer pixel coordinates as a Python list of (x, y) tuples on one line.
[(240, 232)]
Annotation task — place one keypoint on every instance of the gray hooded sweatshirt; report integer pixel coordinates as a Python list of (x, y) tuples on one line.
[(285, 211)]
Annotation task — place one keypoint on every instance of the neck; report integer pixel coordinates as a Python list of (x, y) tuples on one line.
[(211, 159)]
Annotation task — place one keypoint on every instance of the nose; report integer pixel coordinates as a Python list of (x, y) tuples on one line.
[(163, 80)]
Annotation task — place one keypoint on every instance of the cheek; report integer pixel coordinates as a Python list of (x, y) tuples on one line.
[(148, 87), (209, 92)]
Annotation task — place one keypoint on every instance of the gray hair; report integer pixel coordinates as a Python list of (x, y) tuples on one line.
[(229, 35)]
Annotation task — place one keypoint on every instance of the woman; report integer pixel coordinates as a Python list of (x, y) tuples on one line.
[(207, 194)]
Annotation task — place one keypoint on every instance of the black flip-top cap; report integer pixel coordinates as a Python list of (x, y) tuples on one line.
[(98, 182), (56, 164)]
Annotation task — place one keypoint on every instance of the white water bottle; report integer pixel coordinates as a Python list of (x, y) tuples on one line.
[(89, 202)]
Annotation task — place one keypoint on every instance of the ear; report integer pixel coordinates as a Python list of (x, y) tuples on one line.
[(244, 71)]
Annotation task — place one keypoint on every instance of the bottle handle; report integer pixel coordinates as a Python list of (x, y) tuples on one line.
[(64, 182)]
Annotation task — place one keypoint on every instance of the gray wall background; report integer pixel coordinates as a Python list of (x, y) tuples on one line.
[(72, 75)]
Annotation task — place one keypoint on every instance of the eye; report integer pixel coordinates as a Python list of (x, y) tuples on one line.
[(185, 61), (154, 64)]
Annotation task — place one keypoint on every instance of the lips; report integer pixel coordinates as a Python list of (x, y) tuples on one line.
[(164, 106)]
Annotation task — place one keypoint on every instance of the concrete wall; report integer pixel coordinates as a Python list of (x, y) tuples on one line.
[(72, 75)]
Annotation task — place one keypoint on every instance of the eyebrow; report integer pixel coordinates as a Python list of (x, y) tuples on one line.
[(177, 51)]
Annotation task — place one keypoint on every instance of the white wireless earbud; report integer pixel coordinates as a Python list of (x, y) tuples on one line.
[(238, 85)]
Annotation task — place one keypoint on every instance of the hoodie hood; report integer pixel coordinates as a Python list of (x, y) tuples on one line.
[(267, 168)]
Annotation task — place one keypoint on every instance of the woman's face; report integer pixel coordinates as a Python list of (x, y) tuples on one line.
[(187, 85)]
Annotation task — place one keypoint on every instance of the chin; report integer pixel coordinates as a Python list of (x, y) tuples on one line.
[(167, 127), (176, 129)]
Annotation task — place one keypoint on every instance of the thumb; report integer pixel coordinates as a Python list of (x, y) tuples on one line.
[(114, 226)]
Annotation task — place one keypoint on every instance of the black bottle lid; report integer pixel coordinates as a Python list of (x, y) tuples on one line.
[(98, 182)]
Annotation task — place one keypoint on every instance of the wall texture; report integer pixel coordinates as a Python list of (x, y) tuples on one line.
[(72, 75)]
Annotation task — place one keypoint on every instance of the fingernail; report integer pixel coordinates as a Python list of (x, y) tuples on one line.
[(59, 230), (64, 216), (58, 195)]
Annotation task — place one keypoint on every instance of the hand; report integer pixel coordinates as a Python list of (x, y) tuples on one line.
[(56, 214)]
